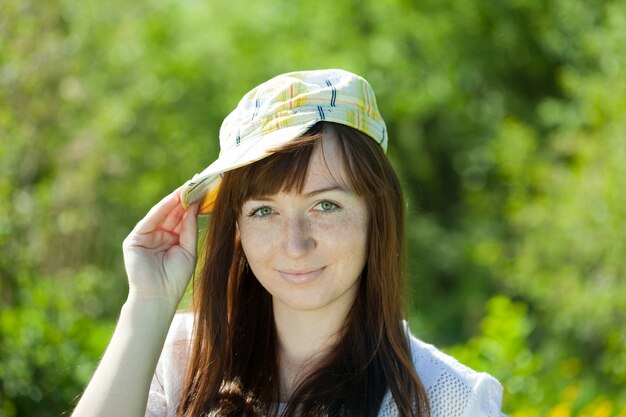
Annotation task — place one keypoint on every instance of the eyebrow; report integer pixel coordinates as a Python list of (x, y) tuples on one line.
[(310, 193), (325, 190)]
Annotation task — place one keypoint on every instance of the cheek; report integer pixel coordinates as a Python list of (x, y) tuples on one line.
[(362, 240), (255, 245), (350, 239)]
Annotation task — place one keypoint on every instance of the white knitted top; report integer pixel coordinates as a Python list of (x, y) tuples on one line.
[(454, 390)]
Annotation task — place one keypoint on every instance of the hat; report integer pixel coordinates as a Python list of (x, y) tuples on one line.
[(279, 111)]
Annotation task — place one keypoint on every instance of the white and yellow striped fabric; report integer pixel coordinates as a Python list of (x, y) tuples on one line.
[(279, 111)]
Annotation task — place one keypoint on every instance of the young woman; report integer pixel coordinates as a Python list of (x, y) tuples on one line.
[(298, 300)]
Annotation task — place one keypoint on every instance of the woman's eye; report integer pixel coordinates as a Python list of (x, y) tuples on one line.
[(326, 206), (261, 212)]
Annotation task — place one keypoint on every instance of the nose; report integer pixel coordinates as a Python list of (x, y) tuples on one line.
[(298, 237)]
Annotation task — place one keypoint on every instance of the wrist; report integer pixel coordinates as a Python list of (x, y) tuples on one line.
[(153, 300), (150, 309)]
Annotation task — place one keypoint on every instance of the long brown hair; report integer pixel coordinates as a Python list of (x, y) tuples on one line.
[(233, 369)]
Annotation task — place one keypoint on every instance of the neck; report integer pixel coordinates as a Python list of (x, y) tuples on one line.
[(304, 340)]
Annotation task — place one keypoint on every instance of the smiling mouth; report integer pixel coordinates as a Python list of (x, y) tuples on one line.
[(300, 276)]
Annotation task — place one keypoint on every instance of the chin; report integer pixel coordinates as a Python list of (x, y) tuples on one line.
[(301, 305), (316, 303)]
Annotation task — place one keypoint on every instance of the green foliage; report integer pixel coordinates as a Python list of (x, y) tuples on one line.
[(50, 342), (507, 124), (544, 382)]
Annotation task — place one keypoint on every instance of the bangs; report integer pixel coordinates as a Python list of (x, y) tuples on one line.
[(283, 171), (286, 169)]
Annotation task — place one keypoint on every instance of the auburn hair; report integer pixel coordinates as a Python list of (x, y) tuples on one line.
[(233, 367)]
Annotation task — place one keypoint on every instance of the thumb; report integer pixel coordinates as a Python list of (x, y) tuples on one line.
[(188, 237)]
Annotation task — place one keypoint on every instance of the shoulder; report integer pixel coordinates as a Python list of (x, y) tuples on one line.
[(453, 388)]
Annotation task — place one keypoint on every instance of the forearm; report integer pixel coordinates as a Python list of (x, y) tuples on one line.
[(121, 383)]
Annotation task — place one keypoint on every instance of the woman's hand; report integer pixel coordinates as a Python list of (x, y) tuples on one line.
[(160, 256), (160, 253)]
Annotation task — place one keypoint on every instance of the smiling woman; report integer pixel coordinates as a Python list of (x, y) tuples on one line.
[(318, 236), (298, 304), (300, 222)]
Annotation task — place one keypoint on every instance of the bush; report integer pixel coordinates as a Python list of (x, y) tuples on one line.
[(50, 342), (540, 378)]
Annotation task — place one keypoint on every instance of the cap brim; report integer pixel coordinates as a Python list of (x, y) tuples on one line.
[(202, 188)]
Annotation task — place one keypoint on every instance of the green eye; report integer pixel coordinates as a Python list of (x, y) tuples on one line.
[(264, 211), (327, 206), (261, 212)]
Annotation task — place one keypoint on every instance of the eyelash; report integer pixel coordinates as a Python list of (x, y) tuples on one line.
[(254, 213), (334, 207)]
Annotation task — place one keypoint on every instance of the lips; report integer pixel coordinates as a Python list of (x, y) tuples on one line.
[(298, 276)]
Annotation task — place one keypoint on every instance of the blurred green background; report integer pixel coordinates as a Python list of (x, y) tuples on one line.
[(507, 121)]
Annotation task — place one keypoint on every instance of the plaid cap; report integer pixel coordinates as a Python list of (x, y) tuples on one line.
[(279, 111)]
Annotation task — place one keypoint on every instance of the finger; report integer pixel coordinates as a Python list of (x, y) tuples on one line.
[(188, 236), (177, 216), (178, 227), (173, 218), (158, 239), (158, 213)]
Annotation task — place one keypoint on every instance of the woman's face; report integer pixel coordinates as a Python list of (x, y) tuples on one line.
[(308, 250)]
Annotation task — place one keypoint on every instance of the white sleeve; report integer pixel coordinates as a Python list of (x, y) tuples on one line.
[(454, 390), (157, 403), (169, 375), (486, 399)]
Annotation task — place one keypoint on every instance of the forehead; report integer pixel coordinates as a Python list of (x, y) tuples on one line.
[(327, 166), (299, 168)]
